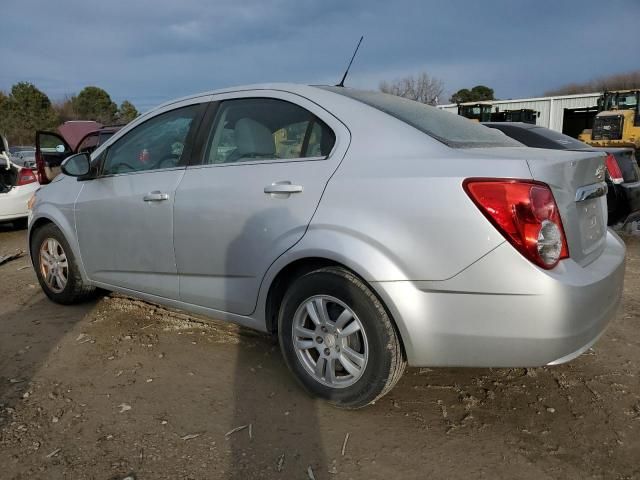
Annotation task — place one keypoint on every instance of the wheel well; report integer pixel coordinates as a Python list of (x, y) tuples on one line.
[(281, 283), (38, 224), (294, 270)]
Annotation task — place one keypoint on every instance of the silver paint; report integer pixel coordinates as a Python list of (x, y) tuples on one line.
[(388, 204)]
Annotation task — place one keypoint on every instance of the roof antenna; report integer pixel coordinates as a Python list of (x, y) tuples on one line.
[(341, 84)]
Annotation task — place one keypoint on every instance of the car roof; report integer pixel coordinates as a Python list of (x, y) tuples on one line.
[(287, 87)]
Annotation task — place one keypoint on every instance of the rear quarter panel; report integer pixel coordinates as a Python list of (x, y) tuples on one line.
[(395, 209)]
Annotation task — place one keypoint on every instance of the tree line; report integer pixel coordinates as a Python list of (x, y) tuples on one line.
[(26, 109), (427, 89), (618, 81)]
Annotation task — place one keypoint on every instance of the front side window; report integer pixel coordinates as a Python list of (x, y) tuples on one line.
[(255, 129), (156, 144)]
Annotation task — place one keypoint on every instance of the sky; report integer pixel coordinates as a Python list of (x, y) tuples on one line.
[(151, 51)]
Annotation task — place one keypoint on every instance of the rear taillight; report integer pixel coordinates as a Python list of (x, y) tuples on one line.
[(614, 169), (525, 213), (26, 176)]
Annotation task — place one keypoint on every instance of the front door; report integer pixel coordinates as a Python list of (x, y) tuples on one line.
[(51, 150), (124, 217), (264, 166)]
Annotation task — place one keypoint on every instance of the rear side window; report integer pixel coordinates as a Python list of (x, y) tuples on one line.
[(452, 130), (89, 144), (255, 129)]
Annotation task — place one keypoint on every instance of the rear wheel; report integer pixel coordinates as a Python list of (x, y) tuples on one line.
[(56, 267), (338, 340)]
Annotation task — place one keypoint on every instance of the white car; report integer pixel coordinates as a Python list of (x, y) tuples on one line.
[(17, 185)]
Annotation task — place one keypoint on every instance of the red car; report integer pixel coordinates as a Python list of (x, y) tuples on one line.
[(75, 136)]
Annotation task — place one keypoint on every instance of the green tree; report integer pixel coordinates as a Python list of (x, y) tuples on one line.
[(65, 110), (93, 103), (478, 93), (127, 112), (3, 101), (25, 110)]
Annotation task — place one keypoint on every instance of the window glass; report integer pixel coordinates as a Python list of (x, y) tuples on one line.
[(157, 143), (53, 143), (450, 129), (564, 141), (89, 144), (539, 137), (266, 129)]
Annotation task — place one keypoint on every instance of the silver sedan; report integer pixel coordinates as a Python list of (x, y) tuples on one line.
[(365, 230)]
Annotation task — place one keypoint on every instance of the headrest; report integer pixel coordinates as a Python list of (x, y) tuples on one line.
[(253, 138)]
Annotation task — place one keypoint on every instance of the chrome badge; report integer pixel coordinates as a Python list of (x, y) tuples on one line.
[(600, 172)]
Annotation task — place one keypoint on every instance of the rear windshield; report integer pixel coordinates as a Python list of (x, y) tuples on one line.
[(565, 141), (450, 129)]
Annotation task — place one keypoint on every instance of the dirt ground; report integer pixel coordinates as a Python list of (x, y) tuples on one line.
[(118, 387)]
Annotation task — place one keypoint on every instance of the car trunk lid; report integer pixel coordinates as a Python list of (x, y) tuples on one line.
[(577, 182)]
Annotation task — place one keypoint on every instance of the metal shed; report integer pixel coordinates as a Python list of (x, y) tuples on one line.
[(569, 114)]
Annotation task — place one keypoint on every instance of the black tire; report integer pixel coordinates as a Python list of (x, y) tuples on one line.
[(385, 363), (75, 290)]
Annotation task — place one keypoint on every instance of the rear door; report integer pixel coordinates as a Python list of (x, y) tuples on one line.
[(124, 217), (264, 163), (51, 150)]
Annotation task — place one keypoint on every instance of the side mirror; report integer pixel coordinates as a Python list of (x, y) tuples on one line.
[(77, 165)]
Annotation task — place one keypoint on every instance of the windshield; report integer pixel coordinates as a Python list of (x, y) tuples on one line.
[(621, 101), (448, 128)]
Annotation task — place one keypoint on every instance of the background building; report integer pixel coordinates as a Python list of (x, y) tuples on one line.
[(568, 114)]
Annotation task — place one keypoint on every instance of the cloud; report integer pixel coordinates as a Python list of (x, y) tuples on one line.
[(149, 51)]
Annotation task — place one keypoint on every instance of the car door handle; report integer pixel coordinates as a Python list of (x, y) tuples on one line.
[(156, 196), (283, 188)]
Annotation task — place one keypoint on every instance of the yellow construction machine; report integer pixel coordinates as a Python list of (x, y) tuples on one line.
[(617, 123)]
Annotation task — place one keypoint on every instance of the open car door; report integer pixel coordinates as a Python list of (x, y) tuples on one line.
[(51, 150)]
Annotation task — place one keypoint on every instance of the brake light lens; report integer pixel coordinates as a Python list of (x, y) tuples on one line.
[(525, 213), (614, 169), (26, 176)]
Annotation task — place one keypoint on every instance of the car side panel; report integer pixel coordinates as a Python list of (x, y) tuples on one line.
[(414, 211), (13, 204), (228, 230), (57, 206)]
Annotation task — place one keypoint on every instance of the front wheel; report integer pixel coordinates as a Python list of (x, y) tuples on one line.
[(56, 268), (338, 340)]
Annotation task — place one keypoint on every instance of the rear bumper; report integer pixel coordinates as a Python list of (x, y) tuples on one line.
[(503, 311), (13, 205)]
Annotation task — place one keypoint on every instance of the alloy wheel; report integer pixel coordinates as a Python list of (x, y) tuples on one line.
[(330, 341), (54, 266)]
